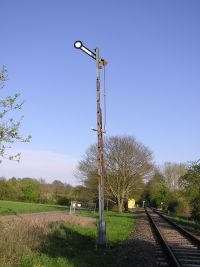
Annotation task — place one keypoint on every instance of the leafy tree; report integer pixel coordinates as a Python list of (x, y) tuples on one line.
[(33, 190), (81, 193), (14, 185), (137, 190), (172, 171), (178, 204), (9, 128), (126, 163), (57, 187), (6, 191), (157, 191), (190, 183), (195, 203), (28, 187)]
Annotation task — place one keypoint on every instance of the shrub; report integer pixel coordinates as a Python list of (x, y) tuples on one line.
[(196, 209), (172, 205), (63, 201), (179, 205)]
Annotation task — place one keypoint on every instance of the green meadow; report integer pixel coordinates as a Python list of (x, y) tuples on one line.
[(13, 207)]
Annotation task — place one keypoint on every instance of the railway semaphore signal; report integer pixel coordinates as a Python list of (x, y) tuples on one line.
[(99, 63)]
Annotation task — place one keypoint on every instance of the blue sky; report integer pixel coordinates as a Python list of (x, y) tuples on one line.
[(153, 80)]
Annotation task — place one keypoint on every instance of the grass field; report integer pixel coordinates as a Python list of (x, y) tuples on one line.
[(12, 207), (60, 244)]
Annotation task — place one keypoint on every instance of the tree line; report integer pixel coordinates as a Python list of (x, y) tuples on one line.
[(39, 191)]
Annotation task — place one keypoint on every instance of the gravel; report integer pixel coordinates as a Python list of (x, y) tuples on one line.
[(139, 250)]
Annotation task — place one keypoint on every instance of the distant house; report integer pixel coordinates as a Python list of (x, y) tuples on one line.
[(131, 203)]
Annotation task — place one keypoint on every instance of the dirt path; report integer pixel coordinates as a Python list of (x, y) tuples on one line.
[(45, 217)]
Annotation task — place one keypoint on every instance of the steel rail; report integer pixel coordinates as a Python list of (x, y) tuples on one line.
[(183, 231), (172, 260)]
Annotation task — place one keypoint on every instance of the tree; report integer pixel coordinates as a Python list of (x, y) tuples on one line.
[(15, 185), (190, 183), (172, 171), (81, 193), (126, 162), (157, 191), (29, 189), (9, 128), (58, 187), (6, 191)]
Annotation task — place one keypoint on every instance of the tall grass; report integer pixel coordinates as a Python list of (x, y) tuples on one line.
[(17, 238), (59, 244)]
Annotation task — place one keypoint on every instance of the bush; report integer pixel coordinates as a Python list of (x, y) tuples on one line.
[(64, 201), (179, 206), (196, 209), (172, 205)]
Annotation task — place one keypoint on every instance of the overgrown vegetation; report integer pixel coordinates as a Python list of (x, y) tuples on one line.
[(59, 244), (190, 183), (16, 238), (184, 197)]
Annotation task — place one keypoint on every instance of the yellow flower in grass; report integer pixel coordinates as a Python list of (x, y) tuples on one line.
[(38, 265)]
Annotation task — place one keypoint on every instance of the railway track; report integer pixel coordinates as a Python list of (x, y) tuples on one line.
[(182, 249)]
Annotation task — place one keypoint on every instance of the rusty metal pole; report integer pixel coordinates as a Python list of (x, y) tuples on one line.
[(100, 154), (100, 150)]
